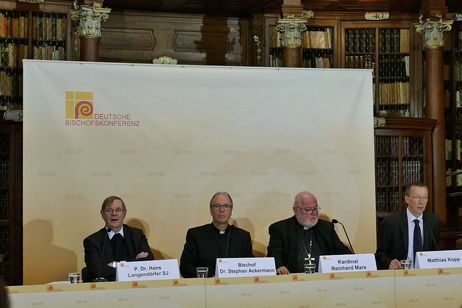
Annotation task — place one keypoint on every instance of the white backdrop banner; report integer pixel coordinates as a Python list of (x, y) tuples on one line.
[(165, 138)]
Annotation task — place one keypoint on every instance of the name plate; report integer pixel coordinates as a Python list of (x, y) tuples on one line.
[(347, 263), (147, 270), (439, 259), (245, 267)]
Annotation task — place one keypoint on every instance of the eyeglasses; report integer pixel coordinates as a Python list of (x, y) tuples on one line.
[(423, 198), (218, 206), (309, 210), (110, 211)]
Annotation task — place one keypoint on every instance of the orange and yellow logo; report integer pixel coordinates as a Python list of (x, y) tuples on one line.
[(79, 105)]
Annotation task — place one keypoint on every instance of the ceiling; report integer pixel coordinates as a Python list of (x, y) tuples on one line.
[(248, 7)]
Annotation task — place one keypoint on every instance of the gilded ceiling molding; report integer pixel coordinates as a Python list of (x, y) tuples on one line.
[(90, 19), (432, 31)]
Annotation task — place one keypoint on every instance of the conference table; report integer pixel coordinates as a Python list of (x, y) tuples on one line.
[(387, 288)]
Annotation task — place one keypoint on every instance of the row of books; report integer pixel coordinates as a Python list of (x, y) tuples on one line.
[(11, 54), (320, 39), (359, 40), (10, 84), (4, 173), (389, 146), (13, 25), (387, 201), (394, 93), (459, 40), (394, 66), (458, 70), (49, 28), (391, 40), (363, 61), (48, 52), (394, 40), (449, 151), (456, 179), (387, 172), (318, 62), (4, 207)]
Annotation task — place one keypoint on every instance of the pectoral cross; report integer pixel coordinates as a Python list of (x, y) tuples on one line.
[(309, 259)]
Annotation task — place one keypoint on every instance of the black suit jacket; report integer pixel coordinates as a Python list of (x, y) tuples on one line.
[(283, 245), (204, 245), (98, 252), (394, 237)]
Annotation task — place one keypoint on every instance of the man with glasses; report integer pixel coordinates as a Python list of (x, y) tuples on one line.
[(218, 239), (115, 242), (302, 238), (403, 234)]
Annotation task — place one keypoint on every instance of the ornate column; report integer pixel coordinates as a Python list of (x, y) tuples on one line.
[(432, 38), (291, 30), (89, 19)]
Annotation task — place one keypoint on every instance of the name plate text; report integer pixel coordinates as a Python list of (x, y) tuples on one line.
[(245, 267), (347, 263), (147, 270), (439, 259)]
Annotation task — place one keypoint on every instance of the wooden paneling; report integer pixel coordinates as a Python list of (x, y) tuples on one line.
[(192, 39)]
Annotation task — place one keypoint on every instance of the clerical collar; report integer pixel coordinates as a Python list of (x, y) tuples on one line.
[(221, 231), (111, 233)]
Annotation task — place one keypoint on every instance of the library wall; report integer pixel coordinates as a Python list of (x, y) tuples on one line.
[(192, 39)]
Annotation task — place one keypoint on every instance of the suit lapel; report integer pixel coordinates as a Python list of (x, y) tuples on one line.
[(405, 230), (128, 236), (428, 236), (107, 249)]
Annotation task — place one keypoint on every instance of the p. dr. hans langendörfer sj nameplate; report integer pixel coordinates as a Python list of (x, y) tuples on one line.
[(245, 267), (147, 270), (438, 259), (347, 263)]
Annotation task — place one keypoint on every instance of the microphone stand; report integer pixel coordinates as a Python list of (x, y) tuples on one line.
[(335, 221)]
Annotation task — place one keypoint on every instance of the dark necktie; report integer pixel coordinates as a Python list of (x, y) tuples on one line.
[(417, 238), (116, 245)]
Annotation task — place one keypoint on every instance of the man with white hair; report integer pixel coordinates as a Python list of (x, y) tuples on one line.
[(304, 236)]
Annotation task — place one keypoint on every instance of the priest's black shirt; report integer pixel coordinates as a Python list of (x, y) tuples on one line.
[(205, 244)]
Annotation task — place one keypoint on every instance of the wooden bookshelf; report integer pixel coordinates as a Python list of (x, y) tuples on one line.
[(27, 31), (403, 155), (27, 35), (10, 201), (384, 47), (452, 71), (318, 47)]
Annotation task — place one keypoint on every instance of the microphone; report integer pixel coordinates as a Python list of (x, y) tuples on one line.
[(335, 221)]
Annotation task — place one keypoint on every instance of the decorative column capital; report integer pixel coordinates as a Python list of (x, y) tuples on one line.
[(291, 30), (90, 19), (432, 31)]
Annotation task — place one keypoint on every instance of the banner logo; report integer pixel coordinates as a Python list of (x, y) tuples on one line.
[(80, 112), (79, 105)]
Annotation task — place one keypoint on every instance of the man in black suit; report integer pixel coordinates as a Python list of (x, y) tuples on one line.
[(219, 239), (402, 235), (115, 242), (303, 236)]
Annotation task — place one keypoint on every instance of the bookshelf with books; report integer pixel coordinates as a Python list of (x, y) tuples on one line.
[(27, 31), (452, 61), (10, 197), (386, 49), (27, 34), (318, 46), (403, 155), (275, 49)]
